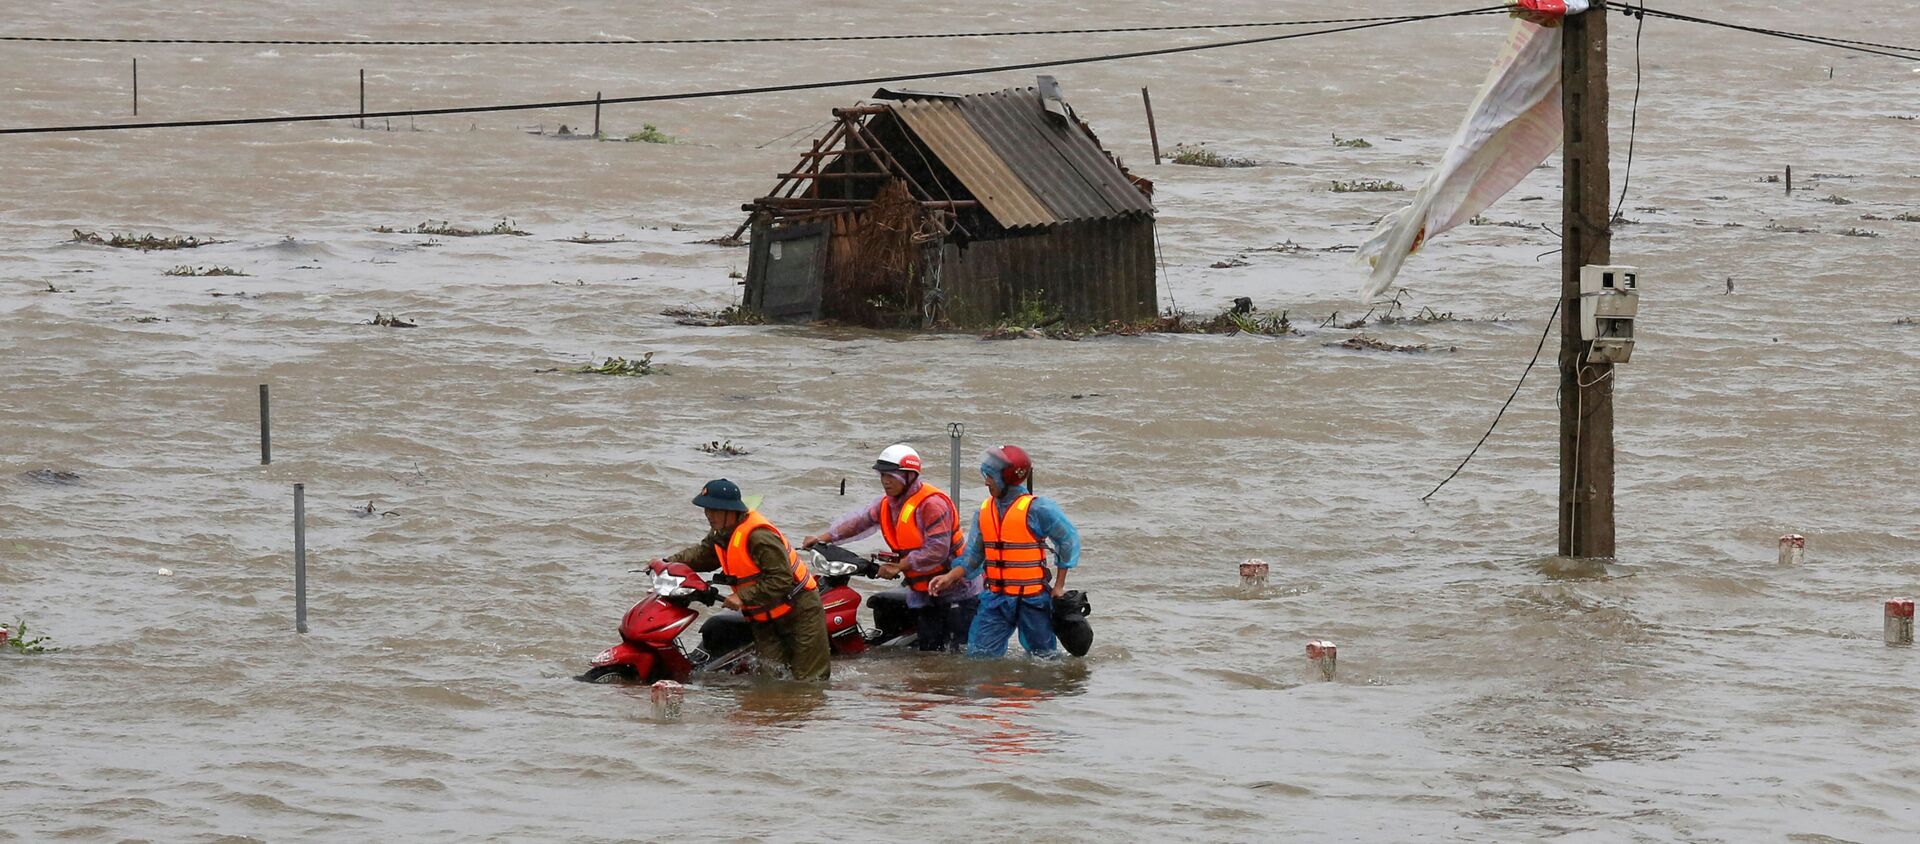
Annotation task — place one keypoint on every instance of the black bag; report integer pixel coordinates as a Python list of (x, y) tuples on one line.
[(1070, 613)]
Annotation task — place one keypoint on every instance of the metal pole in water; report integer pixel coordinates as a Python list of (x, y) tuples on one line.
[(363, 98), (954, 432), (266, 432), (300, 557), (596, 114), (136, 87)]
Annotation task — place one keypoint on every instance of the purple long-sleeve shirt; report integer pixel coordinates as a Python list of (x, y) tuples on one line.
[(937, 522)]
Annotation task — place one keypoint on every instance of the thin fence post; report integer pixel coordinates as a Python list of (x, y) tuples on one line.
[(596, 114), (136, 87), (954, 432), (1789, 178), (1152, 131), (266, 430), (300, 557), (363, 98)]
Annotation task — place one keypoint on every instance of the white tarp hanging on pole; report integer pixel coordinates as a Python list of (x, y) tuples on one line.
[(1513, 126)]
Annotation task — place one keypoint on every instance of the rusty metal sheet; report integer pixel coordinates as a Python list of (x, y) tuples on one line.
[(1057, 159), (940, 125)]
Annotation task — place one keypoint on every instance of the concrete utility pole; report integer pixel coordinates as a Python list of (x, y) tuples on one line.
[(1586, 390)]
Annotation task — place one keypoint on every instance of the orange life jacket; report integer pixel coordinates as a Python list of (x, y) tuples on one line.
[(1016, 559), (903, 534), (738, 564)]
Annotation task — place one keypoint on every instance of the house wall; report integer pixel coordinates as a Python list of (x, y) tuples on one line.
[(1095, 271)]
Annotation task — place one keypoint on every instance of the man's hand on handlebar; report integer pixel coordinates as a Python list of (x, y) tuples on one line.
[(732, 602)]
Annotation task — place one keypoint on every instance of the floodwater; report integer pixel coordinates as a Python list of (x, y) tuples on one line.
[(1693, 690)]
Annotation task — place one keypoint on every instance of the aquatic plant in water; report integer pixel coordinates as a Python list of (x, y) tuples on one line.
[(642, 365)]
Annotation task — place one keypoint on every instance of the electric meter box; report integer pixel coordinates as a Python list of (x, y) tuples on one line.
[(1609, 303)]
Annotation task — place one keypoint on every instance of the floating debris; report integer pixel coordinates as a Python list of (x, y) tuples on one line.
[(1235, 261), (1776, 227), (648, 134), (390, 321), (730, 315), (52, 476), (1836, 199), (589, 239), (146, 320), (1479, 220), (202, 272), (1350, 143), (1365, 343), (446, 229), (217, 294), (1903, 217), (144, 243), (53, 289), (1366, 186), (1907, 320), (1197, 155), (723, 449), (1285, 247), (21, 641), (728, 240), (639, 366), (1855, 232)]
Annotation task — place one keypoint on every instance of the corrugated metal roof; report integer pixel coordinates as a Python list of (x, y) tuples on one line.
[(940, 125), (1056, 160)]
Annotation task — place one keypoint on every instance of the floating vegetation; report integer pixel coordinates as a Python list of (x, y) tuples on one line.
[(1771, 180), (1855, 232), (53, 289), (1242, 318), (642, 365), (1285, 247), (1904, 217), (1197, 155), (390, 321), (21, 640), (1033, 314), (217, 294), (1369, 344), (51, 476), (1836, 199), (586, 238), (202, 272), (144, 243), (727, 240), (730, 315), (1235, 261), (1351, 143), (1481, 220), (444, 229), (1366, 186), (1776, 227), (723, 449), (146, 320), (649, 134), (1907, 320)]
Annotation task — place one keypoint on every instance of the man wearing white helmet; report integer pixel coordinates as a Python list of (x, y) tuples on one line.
[(919, 523)]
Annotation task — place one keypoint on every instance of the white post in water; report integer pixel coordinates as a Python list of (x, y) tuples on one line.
[(1793, 549), (1899, 622), (668, 698), (300, 557), (954, 432), (1253, 574), (1322, 655)]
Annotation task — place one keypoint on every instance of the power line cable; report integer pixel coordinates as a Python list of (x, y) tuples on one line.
[(1509, 403), (735, 92), (1913, 53), (631, 42)]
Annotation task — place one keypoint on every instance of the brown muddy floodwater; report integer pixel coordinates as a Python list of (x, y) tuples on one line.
[(1694, 690)]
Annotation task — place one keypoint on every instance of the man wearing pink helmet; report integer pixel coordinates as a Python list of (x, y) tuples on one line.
[(920, 523), (1008, 542)]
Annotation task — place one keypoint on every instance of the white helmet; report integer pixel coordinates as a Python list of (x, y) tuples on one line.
[(898, 457)]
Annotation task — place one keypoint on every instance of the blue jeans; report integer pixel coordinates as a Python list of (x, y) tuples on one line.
[(997, 617)]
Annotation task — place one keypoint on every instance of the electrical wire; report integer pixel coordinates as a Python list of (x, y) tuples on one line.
[(625, 42), (1913, 53), (735, 92), (1509, 403)]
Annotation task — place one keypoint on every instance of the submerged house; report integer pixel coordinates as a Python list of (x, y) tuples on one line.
[(928, 209)]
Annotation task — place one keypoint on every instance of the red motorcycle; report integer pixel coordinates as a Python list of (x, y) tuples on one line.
[(650, 649)]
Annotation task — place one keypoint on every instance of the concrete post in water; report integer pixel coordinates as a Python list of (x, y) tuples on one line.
[(1793, 549), (363, 98), (1899, 622), (954, 432), (1322, 654), (266, 431), (1586, 406), (1253, 574), (668, 698), (1789, 178), (136, 87), (596, 114), (300, 557), (843, 486)]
